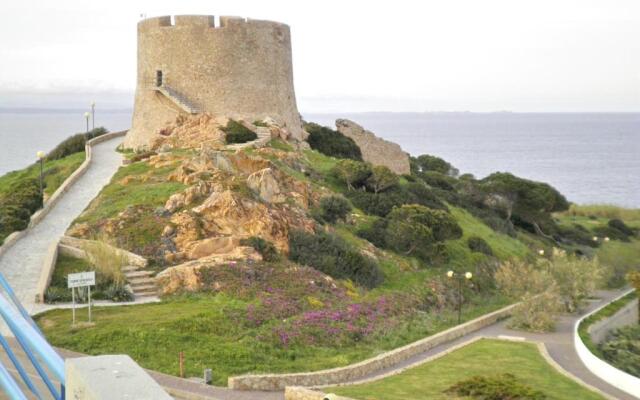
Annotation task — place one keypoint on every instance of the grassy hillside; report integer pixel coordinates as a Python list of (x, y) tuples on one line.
[(357, 256)]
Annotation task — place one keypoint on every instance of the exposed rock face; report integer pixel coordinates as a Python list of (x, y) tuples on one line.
[(265, 184), (375, 150), (185, 277)]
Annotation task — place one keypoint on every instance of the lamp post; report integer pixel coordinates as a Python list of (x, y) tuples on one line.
[(461, 278), (93, 115), (41, 156), (86, 117)]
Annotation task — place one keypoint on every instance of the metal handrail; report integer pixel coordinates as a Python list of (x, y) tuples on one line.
[(33, 343), (21, 371), (10, 386)]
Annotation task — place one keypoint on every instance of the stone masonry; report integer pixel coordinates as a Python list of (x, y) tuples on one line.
[(375, 150), (240, 69)]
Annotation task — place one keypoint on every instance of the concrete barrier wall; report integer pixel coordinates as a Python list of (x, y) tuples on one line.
[(625, 316), (601, 368), (274, 382), (109, 378)]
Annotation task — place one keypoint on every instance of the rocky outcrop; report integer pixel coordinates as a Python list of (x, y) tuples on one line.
[(186, 277), (375, 150)]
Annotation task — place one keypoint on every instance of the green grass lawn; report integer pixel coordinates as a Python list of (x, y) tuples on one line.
[(210, 331), (486, 357)]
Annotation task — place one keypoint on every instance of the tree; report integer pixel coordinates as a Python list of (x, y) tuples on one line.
[(527, 202), (332, 143), (352, 173), (381, 179), (576, 277), (414, 228)]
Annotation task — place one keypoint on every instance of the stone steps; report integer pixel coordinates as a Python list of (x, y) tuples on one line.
[(141, 282)]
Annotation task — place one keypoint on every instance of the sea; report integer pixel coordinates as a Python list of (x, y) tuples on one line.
[(589, 157)]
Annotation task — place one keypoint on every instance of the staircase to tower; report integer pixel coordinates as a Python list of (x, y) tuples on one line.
[(178, 99)]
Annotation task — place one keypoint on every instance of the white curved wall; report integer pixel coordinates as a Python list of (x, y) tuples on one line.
[(602, 369)]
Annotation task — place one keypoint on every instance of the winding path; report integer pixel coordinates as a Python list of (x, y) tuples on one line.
[(22, 263)]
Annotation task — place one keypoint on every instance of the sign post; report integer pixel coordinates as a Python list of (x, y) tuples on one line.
[(81, 279)]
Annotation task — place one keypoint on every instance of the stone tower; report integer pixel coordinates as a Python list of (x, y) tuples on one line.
[(240, 69)]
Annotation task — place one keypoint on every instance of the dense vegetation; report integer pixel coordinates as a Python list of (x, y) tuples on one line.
[(332, 143), (238, 133), (622, 349), (75, 143), (334, 256)]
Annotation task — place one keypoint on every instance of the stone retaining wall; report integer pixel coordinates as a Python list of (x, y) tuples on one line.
[(625, 316), (275, 382), (300, 393)]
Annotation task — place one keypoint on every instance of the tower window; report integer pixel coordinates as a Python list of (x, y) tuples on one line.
[(158, 78)]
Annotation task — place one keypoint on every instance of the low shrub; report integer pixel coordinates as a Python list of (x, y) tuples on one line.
[(353, 174), (499, 387), (334, 208), (438, 180), (619, 225), (118, 293), (479, 245), (578, 234), (235, 132), (332, 143), (17, 205), (332, 255), (375, 233), (75, 143), (266, 249), (379, 204)]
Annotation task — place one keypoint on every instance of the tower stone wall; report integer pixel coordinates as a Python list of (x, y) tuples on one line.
[(240, 69)]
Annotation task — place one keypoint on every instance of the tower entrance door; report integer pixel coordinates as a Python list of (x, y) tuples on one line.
[(158, 78)]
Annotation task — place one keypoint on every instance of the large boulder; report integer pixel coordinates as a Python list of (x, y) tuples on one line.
[(375, 150), (264, 183)]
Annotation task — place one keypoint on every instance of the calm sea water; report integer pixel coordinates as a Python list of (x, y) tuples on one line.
[(591, 158), (23, 134)]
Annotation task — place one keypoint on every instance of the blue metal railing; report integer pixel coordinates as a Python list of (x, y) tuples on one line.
[(34, 345)]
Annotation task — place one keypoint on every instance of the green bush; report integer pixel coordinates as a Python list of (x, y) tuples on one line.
[(266, 249), (416, 230), (238, 133), (118, 293), (438, 180), (427, 162), (619, 225), (74, 144), (332, 143), (375, 233), (479, 245), (499, 387), (17, 205), (332, 255), (379, 204), (577, 234), (334, 208)]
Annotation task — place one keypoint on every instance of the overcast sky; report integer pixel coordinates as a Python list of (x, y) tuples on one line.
[(536, 55)]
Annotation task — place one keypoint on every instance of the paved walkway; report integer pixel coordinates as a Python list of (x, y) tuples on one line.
[(559, 345), (22, 263)]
